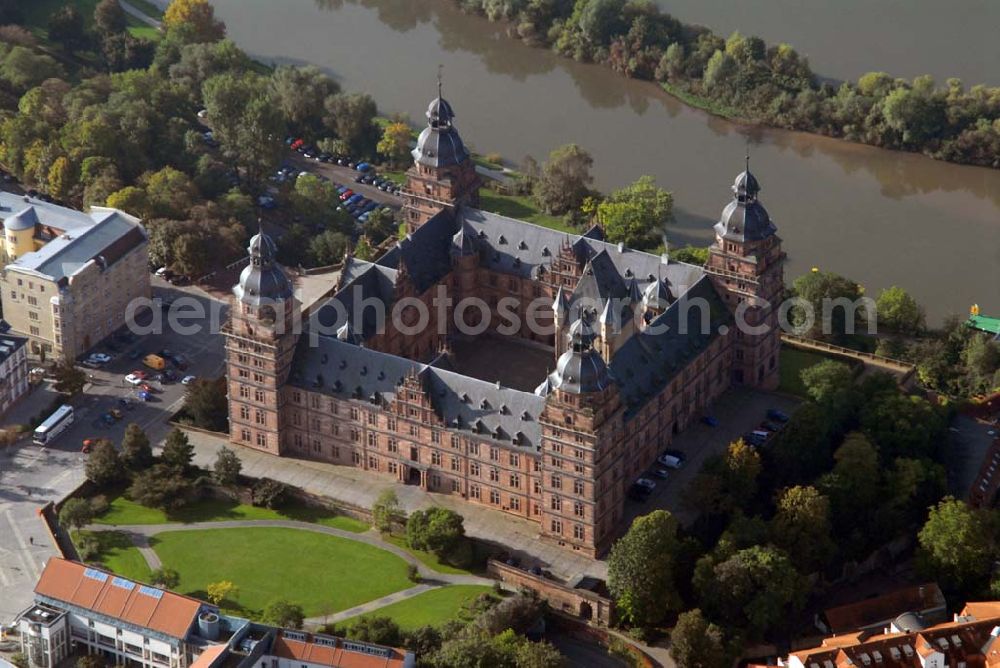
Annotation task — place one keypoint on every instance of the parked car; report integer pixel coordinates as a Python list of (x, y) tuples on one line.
[(203, 114), (347, 194), (646, 483), (88, 443), (187, 380), (179, 361), (775, 414), (99, 358), (662, 474), (670, 461), (133, 379)]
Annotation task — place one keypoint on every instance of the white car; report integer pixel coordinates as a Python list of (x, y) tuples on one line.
[(203, 114), (187, 380), (647, 483), (38, 371), (100, 358), (670, 461), (133, 379)]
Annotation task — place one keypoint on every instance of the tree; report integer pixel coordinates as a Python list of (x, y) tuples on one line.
[(103, 465), (833, 301), (395, 143), (76, 514), (729, 482), (124, 51), (170, 193), (137, 454), (160, 486), (130, 199), (269, 493), (327, 248), (376, 629), (351, 116), (24, 69), (829, 383), (284, 614), (636, 214), (386, 511), (899, 312), (315, 201), (196, 19), (381, 225), (177, 450), (438, 530), (206, 403), (299, 92), (691, 254), (519, 613), (756, 589), (852, 486), (802, 527), (69, 379), (958, 544), (220, 591), (91, 661), (565, 179), (641, 569), (165, 577), (109, 17), (697, 643), (903, 426), (227, 467), (60, 178), (66, 27)]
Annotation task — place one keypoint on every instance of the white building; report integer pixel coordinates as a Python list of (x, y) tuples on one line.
[(13, 370), (82, 610)]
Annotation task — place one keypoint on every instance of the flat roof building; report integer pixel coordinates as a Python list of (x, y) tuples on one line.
[(69, 275)]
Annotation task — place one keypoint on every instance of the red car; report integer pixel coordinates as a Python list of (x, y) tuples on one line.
[(346, 195), (139, 374), (296, 144), (87, 444)]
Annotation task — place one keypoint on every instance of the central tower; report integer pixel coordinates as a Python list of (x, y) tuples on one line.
[(443, 175)]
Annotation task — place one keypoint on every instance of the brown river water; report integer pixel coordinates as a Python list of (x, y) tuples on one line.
[(880, 217)]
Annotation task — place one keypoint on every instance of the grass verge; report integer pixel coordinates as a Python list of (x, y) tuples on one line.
[(793, 362), (118, 554), (521, 208), (324, 574), (428, 559), (434, 607), (123, 511)]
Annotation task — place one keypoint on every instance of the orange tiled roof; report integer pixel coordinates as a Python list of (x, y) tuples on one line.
[(309, 651), (888, 606), (206, 658), (982, 610), (100, 591)]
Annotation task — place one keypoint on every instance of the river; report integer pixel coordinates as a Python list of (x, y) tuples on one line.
[(880, 217)]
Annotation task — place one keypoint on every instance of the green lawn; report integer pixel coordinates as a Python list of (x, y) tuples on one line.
[(521, 208), (793, 361), (123, 511), (434, 607), (323, 574), (428, 559), (118, 555)]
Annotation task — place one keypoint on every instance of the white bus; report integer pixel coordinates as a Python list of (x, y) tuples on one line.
[(54, 425)]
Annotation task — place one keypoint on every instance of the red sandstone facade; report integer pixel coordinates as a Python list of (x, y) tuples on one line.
[(593, 442)]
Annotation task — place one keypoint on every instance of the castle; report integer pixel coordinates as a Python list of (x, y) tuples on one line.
[(580, 362)]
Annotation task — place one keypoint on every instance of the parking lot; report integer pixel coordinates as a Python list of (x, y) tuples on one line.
[(737, 412), (31, 475)]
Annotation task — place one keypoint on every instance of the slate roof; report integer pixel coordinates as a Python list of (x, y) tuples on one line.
[(45, 213), (425, 253), (110, 235), (340, 368), (364, 281), (649, 360)]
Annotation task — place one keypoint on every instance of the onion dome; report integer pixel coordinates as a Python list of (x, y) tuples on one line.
[(581, 332), (439, 111), (580, 369), (439, 145), (263, 280), (745, 218)]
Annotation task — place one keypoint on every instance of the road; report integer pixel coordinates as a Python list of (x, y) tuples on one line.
[(31, 475)]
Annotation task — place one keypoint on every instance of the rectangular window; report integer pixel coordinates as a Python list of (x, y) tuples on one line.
[(454, 464), (495, 454), (262, 440), (556, 526), (578, 509), (578, 532), (436, 458), (474, 469), (556, 503), (494, 475), (393, 445), (515, 481), (578, 487), (515, 503), (556, 482), (435, 437), (494, 497), (515, 459), (474, 491)]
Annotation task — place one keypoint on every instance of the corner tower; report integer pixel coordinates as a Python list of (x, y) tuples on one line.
[(261, 334), (745, 264), (443, 175)]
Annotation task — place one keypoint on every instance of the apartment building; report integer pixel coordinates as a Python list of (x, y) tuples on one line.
[(69, 276), (80, 610), (13, 368)]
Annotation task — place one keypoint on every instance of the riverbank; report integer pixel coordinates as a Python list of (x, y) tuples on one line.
[(743, 79)]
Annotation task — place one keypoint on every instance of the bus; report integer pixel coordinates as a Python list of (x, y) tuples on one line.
[(56, 424)]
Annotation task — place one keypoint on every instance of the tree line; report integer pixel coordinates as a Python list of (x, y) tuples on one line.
[(743, 78), (859, 464), (87, 125)]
